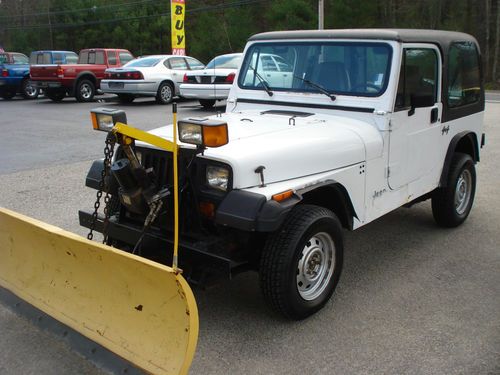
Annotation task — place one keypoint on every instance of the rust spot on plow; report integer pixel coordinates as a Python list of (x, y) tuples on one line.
[(138, 307)]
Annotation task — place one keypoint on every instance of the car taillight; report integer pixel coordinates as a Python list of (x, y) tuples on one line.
[(134, 75), (5, 73), (60, 72), (185, 79), (230, 78), (137, 75)]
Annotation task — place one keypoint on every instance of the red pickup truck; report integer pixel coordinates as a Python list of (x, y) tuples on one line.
[(79, 80)]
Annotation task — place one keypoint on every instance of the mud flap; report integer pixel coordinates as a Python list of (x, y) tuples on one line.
[(140, 310)]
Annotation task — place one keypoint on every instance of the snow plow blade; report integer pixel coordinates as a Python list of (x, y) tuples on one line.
[(141, 310)]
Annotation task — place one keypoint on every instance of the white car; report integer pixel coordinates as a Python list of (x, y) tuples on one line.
[(212, 83), (158, 76), (355, 125)]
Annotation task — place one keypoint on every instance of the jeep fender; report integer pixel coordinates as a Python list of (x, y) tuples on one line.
[(249, 211), (465, 142)]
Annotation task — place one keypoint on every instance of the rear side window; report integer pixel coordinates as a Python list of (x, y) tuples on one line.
[(3, 58), (58, 58), (464, 80), (111, 57), (177, 63), (99, 58), (125, 57), (20, 59), (71, 58), (84, 57), (194, 64)]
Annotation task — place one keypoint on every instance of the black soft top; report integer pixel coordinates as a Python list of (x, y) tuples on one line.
[(439, 37)]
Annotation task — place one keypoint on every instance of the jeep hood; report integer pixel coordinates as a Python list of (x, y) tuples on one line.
[(290, 146)]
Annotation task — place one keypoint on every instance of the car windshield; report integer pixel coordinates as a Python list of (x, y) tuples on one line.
[(3, 58), (145, 62), (225, 62), (345, 68)]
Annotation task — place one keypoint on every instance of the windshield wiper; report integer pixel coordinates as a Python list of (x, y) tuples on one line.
[(262, 81), (315, 85)]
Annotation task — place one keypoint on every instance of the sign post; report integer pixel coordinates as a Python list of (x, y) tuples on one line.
[(177, 11)]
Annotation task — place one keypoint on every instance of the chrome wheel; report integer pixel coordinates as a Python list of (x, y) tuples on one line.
[(463, 191), (29, 90), (86, 91), (166, 93), (315, 266)]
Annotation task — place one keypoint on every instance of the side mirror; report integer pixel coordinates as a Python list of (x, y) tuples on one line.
[(420, 101)]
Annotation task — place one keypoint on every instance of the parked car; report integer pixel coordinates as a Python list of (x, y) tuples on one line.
[(158, 76), (372, 120), (53, 57), (212, 83), (15, 76), (80, 80)]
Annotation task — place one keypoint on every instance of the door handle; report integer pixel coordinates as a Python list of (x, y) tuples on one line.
[(434, 115)]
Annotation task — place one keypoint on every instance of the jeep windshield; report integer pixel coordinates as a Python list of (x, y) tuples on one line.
[(341, 68)]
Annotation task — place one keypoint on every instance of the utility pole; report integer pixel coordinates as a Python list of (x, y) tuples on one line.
[(321, 14)]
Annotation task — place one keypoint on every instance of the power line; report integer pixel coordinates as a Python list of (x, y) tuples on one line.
[(80, 10), (190, 11)]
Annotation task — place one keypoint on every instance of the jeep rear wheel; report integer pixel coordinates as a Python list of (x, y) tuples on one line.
[(452, 204), (301, 263), (85, 91)]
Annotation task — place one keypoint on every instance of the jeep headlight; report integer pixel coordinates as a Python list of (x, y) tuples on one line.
[(218, 177)]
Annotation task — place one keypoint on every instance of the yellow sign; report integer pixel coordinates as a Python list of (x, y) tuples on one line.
[(178, 8)]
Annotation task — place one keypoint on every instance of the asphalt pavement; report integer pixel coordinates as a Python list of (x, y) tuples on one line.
[(413, 298)]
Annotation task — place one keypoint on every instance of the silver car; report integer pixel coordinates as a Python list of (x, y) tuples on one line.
[(158, 76), (214, 82)]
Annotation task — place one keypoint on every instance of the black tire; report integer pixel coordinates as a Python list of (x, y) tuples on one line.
[(126, 98), (305, 233), (451, 205), (55, 95), (207, 103), (7, 95), (85, 91), (165, 93), (28, 90)]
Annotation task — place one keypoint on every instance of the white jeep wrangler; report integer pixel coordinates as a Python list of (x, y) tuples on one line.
[(352, 125)]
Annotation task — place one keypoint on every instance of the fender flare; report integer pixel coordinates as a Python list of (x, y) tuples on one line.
[(252, 212), (80, 75), (472, 137)]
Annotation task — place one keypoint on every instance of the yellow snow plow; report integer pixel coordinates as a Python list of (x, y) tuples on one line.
[(143, 311)]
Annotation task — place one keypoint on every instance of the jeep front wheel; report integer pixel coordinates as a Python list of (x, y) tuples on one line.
[(452, 204), (301, 263)]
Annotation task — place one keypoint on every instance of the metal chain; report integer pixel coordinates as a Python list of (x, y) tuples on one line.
[(109, 149)]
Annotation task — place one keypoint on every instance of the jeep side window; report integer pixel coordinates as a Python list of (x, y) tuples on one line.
[(418, 79), (464, 82)]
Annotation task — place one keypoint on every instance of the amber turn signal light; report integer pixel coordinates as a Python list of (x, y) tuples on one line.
[(282, 196)]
